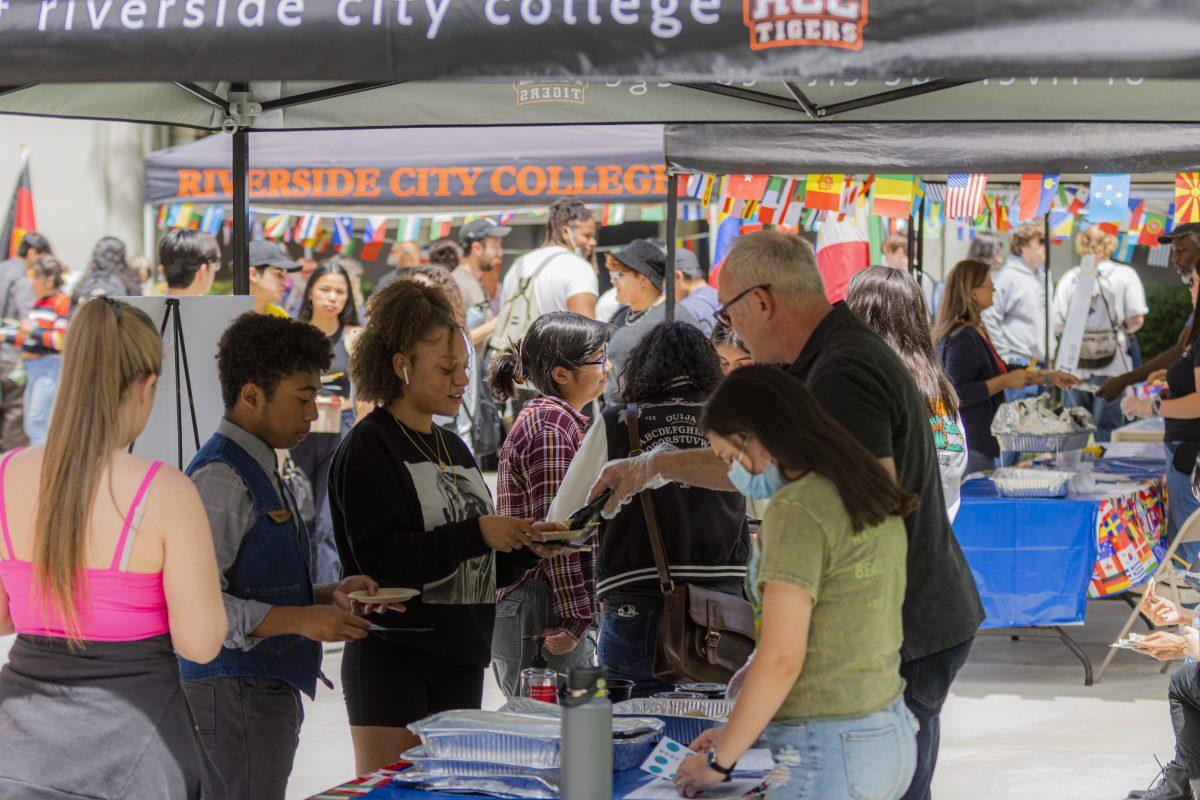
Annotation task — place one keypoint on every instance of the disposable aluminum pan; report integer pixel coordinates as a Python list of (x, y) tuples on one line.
[(684, 718), (1044, 442), (519, 787), (529, 740), (426, 763), (1017, 482)]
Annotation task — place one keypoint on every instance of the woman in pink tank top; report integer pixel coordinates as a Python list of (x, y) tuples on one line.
[(90, 700)]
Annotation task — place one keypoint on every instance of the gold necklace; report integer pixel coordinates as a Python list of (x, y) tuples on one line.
[(434, 457)]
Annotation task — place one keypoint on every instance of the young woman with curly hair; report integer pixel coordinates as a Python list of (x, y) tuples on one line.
[(411, 509), (668, 376)]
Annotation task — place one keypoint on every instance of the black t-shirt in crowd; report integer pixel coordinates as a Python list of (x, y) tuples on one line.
[(404, 521), (861, 382), (1183, 434)]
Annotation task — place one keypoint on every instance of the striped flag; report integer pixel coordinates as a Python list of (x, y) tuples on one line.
[(213, 219), (306, 230), (824, 191), (275, 226), (613, 214), (793, 206), (691, 212), (20, 218), (964, 193), (936, 192), (408, 229), (343, 230)]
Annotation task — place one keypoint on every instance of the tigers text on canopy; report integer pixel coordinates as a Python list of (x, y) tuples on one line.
[(277, 183)]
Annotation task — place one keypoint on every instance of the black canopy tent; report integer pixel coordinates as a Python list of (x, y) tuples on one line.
[(503, 62)]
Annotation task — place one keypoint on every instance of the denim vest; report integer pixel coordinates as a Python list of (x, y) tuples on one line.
[(271, 567)]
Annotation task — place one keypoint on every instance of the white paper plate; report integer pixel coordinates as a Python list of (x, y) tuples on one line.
[(384, 596), (561, 536)]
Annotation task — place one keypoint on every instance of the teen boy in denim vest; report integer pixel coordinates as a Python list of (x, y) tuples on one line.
[(246, 702)]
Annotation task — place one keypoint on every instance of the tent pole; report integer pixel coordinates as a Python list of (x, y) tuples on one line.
[(1046, 288), (669, 277), (241, 211), (910, 246), (921, 242)]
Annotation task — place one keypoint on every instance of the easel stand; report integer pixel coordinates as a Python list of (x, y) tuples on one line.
[(171, 316)]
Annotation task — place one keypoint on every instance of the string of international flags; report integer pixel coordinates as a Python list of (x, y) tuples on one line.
[(805, 202), (798, 202), (365, 235)]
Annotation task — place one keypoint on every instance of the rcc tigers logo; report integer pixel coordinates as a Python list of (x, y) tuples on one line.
[(798, 23)]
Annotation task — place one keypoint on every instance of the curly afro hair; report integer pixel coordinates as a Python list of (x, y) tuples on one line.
[(401, 314), (264, 350), (669, 352)]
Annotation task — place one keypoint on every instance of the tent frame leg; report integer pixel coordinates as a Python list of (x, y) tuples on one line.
[(241, 206), (672, 225)]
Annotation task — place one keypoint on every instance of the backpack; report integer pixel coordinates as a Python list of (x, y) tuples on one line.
[(521, 309), (1100, 342)]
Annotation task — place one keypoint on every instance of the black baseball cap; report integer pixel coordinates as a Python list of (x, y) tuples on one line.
[(478, 229), (643, 257), (269, 254), (1180, 230)]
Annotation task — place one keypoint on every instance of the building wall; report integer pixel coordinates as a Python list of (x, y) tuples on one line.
[(86, 176)]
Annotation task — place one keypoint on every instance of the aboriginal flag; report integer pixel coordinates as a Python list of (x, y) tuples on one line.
[(19, 220)]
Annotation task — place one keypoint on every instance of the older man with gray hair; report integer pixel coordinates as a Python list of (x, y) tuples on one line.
[(773, 297)]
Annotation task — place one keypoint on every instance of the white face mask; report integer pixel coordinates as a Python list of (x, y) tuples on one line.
[(571, 241)]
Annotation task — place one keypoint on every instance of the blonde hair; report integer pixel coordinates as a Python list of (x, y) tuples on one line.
[(784, 261), (1025, 234), (1095, 242), (110, 345), (958, 308)]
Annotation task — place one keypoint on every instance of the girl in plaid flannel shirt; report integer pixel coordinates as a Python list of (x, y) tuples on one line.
[(564, 356)]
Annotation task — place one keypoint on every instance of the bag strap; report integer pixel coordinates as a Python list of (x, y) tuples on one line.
[(665, 584)]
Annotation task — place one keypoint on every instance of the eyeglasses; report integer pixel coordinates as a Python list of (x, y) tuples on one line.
[(603, 360), (722, 314)]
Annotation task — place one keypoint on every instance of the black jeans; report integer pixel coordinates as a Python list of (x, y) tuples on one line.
[(927, 682), (1184, 698)]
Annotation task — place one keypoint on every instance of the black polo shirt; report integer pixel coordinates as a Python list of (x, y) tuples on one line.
[(861, 382)]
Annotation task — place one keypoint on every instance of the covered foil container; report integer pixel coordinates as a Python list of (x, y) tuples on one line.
[(429, 765), (528, 740), (1028, 482), (1044, 442), (518, 787), (685, 718)]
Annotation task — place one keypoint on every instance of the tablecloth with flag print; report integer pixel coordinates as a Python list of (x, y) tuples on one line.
[(1037, 561)]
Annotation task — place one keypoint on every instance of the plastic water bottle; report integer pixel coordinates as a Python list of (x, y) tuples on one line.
[(587, 753)]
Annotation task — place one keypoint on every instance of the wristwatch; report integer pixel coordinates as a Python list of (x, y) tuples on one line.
[(1154, 405), (714, 766)]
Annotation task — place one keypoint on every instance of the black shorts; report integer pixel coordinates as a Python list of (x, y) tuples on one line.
[(391, 685)]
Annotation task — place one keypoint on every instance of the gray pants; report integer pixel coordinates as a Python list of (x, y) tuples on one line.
[(249, 728), (526, 612)]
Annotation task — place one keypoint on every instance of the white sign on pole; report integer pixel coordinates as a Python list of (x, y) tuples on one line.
[(203, 319), (1077, 316)]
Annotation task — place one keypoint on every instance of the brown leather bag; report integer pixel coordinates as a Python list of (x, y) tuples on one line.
[(703, 635)]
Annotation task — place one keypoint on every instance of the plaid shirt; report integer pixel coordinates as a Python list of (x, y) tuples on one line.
[(533, 463)]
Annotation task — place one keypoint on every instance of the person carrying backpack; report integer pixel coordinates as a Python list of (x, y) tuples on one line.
[(558, 276)]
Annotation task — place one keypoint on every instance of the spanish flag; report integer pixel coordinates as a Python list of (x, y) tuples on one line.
[(823, 191), (20, 219)]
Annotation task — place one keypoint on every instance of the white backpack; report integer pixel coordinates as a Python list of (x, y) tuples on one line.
[(521, 308)]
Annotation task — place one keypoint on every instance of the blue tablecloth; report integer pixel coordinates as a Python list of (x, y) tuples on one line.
[(623, 783), (1033, 558)]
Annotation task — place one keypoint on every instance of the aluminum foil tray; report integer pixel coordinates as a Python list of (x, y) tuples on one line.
[(518, 787), (528, 740), (1044, 442), (426, 763), (684, 718), (1019, 482)]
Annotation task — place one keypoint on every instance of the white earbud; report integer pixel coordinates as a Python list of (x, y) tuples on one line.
[(405, 368)]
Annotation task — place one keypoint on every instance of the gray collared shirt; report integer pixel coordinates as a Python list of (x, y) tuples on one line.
[(231, 515), (1016, 322)]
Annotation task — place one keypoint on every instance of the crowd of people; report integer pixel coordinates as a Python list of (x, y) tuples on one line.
[(190, 609)]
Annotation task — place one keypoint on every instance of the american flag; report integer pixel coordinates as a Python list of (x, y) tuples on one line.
[(964, 193)]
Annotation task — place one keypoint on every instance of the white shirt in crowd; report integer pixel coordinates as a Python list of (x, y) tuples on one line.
[(1016, 322), (607, 306), (1126, 298), (565, 275)]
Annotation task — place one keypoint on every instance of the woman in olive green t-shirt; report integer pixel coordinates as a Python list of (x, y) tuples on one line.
[(827, 577)]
